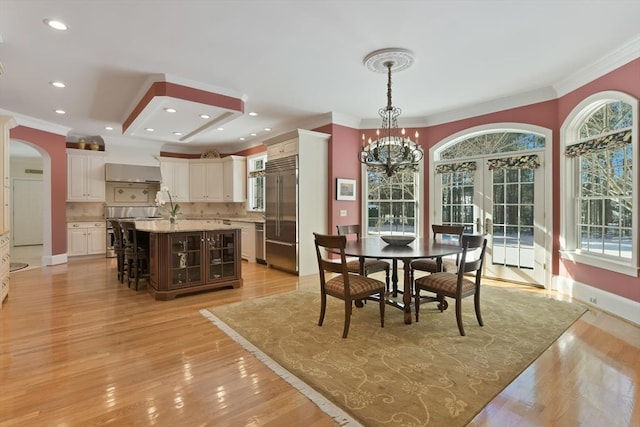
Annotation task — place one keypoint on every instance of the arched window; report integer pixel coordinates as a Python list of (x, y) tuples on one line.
[(600, 160)]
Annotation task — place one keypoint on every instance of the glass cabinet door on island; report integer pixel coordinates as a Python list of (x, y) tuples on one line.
[(186, 256), (221, 257)]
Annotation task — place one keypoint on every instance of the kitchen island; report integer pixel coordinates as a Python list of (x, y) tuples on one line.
[(191, 256)]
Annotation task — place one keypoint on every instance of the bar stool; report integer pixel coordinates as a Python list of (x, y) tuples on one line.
[(136, 255), (118, 248)]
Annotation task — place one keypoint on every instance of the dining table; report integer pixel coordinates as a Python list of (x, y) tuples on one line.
[(375, 247)]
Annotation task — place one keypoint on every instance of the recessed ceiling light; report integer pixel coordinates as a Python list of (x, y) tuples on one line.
[(55, 24), (61, 112), (57, 84), (170, 110), (149, 129), (253, 114), (108, 128), (177, 133), (220, 128), (242, 138), (254, 134), (205, 116), (267, 129)]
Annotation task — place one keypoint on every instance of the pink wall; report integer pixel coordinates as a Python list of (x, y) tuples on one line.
[(624, 79), (343, 163), (55, 146)]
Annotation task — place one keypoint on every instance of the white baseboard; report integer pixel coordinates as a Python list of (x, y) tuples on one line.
[(606, 301), (54, 259)]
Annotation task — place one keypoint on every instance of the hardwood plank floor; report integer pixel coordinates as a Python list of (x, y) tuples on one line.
[(78, 348)]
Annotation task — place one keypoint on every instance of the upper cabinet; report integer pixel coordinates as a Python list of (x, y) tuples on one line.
[(85, 176), (175, 176), (206, 180), (282, 149), (234, 179)]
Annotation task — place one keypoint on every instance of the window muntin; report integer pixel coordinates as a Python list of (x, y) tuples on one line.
[(604, 194), (392, 203), (256, 182)]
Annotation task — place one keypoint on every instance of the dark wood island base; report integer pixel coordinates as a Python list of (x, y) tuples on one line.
[(190, 257)]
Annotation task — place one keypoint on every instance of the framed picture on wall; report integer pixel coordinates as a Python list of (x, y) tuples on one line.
[(345, 189)]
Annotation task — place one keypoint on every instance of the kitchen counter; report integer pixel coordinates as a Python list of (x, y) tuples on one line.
[(226, 218), (182, 226)]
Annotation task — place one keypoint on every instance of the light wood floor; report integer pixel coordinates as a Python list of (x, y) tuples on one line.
[(77, 349)]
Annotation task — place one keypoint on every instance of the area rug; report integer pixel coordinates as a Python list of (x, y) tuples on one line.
[(14, 266), (423, 374)]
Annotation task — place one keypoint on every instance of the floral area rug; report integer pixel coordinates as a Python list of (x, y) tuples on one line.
[(423, 374)]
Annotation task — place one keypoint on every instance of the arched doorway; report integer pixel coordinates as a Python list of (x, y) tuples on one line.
[(494, 180)]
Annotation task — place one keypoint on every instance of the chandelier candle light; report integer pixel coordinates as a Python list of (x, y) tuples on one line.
[(392, 151), (173, 208)]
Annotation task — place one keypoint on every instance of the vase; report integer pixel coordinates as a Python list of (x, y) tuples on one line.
[(173, 219)]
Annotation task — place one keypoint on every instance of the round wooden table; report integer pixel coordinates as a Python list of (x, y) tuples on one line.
[(375, 247)]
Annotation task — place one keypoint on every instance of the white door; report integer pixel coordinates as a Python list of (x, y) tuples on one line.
[(27, 212), (504, 203)]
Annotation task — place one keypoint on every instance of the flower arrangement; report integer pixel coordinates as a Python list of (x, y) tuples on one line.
[(173, 209)]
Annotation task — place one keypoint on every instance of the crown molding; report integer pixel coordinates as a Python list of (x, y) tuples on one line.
[(38, 124), (619, 57)]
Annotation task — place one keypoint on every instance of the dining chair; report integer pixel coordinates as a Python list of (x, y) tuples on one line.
[(444, 234), (136, 255), (370, 265), (456, 285), (346, 286)]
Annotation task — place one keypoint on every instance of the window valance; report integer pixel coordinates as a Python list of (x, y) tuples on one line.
[(256, 174), (607, 142), (456, 167), (531, 161)]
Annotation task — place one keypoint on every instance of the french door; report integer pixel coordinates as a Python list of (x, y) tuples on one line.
[(503, 198)]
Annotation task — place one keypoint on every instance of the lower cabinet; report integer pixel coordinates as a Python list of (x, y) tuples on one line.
[(86, 238), (248, 237), (5, 261), (190, 262)]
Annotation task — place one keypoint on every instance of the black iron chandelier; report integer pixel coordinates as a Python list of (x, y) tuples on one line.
[(391, 151)]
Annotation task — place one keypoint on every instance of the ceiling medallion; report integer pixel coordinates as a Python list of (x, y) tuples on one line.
[(392, 151)]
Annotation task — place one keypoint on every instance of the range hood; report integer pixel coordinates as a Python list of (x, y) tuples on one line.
[(131, 173)]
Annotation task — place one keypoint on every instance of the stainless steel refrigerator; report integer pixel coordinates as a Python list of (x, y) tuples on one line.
[(281, 213)]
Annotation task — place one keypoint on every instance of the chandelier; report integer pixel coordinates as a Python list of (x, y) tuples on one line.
[(391, 151)]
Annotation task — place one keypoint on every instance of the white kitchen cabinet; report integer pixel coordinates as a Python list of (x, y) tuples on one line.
[(235, 177), (248, 239), (6, 123), (282, 149), (86, 238), (85, 176), (175, 176), (206, 180)]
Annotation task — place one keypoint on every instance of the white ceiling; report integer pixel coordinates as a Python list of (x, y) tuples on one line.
[(293, 62)]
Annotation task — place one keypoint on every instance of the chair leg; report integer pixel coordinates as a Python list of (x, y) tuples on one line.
[(459, 315), (382, 304), (387, 278), (417, 302), (347, 317), (137, 272), (476, 302), (323, 307)]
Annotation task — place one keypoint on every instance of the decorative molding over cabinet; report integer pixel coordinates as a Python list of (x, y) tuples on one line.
[(85, 176), (86, 238), (235, 178), (175, 176)]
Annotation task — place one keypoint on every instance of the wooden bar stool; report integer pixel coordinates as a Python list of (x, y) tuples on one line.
[(136, 255)]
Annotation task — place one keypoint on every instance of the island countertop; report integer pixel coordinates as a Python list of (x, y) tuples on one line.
[(164, 226)]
